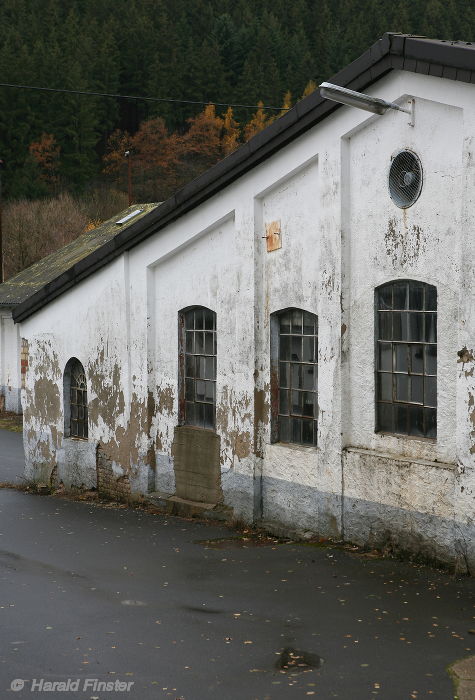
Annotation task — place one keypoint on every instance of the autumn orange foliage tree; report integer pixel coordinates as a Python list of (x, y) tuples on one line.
[(163, 161), (45, 152)]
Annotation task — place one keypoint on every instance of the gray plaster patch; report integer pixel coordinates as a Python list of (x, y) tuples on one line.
[(77, 463), (164, 473)]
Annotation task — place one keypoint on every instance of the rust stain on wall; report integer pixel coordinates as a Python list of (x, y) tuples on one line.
[(403, 246)]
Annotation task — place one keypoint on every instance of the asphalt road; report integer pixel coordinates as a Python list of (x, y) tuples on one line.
[(114, 594), (11, 456)]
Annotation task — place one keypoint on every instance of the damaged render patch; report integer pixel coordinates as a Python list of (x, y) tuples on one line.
[(465, 355), (231, 414), (42, 410), (403, 246)]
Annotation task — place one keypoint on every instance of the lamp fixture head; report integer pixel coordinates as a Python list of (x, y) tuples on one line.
[(358, 99)]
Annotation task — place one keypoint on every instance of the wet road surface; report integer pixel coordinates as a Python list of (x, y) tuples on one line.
[(88, 592)]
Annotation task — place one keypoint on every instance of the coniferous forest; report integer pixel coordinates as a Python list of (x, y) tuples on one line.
[(69, 148)]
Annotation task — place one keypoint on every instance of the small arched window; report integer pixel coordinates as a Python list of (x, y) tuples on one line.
[(197, 367), (406, 358), (294, 351), (75, 400)]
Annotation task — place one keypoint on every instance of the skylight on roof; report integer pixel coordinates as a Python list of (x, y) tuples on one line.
[(124, 219)]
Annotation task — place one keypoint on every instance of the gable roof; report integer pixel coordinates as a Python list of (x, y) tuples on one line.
[(54, 269), (454, 60)]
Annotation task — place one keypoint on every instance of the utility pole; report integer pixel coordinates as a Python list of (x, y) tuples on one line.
[(129, 175), (2, 167)]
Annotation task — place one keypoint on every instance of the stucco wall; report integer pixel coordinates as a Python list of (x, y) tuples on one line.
[(341, 237), (10, 376)]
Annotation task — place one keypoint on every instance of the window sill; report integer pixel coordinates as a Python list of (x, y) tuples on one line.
[(295, 446), (399, 459), (399, 436)]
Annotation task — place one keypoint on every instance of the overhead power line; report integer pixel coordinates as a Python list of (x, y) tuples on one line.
[(139, 97)]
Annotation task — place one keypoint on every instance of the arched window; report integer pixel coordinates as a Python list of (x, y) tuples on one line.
[(294, 350), (197, 367), (406, 358), (75, 400)]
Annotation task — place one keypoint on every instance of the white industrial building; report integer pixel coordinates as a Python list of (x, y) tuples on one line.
[(290, 337)]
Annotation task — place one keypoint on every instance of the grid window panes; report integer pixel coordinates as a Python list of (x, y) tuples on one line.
[(199, 385), (78, 402), (406, 359), (297, 401)]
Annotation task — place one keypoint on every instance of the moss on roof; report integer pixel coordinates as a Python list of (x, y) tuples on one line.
[(18, 288)]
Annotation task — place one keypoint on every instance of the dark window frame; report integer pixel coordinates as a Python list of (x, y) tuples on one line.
[(405, 364), (197, 365), (288, 378), (75, 400)]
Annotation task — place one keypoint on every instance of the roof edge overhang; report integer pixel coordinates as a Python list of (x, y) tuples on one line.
[(453, 60)]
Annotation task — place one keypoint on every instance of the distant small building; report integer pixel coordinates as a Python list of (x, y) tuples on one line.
[(290, 336)]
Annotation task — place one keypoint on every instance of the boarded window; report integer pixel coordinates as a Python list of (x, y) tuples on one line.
[(197, 344), (406, 359), (294, 377)]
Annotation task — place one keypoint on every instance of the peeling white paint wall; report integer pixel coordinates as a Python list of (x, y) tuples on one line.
[(10, 374), (342, 236)]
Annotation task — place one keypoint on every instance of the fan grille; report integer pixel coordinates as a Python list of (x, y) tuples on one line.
[(405, 179)]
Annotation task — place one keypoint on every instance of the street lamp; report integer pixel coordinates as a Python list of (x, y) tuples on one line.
[(362, 101)]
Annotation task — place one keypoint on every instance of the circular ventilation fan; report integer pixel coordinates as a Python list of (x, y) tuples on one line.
[(405, 179)]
